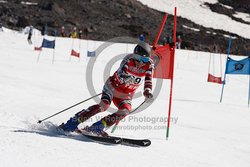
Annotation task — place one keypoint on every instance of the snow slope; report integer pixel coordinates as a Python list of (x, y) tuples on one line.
[(202, 15), (203, 131)]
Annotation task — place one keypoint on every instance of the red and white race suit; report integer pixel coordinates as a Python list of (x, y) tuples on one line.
[(120, 89), (122, 85)]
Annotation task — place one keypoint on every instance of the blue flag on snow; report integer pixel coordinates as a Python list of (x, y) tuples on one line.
[(91, 54), (48, 44), (240, 67)]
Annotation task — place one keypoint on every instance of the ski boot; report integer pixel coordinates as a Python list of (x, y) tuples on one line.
[(97, 129), (70, 125)]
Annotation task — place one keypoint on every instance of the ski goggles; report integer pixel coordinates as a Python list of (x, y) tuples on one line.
[(144, 59)]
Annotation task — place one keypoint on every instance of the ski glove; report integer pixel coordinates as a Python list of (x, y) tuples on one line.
[(148, 95)]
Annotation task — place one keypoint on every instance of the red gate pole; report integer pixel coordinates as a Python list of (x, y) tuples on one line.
[(161, 28), (172, 74)]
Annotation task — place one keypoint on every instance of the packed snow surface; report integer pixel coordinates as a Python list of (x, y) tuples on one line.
[(203, 132)]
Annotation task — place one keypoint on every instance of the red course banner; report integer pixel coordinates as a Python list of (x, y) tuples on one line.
[(162, 59)]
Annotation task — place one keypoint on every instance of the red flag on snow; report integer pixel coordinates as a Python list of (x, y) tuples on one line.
[(38, 48), (74, 53), (214, 79), (163, 57)]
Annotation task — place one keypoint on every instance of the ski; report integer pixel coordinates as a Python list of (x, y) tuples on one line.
[(136, 142), (114, 140), (119, 140), (104, 140)]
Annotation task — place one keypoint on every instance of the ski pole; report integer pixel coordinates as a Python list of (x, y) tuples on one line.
[(40, 121), (117, 122)]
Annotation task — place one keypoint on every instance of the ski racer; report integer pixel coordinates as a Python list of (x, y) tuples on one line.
[(118, 89)]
